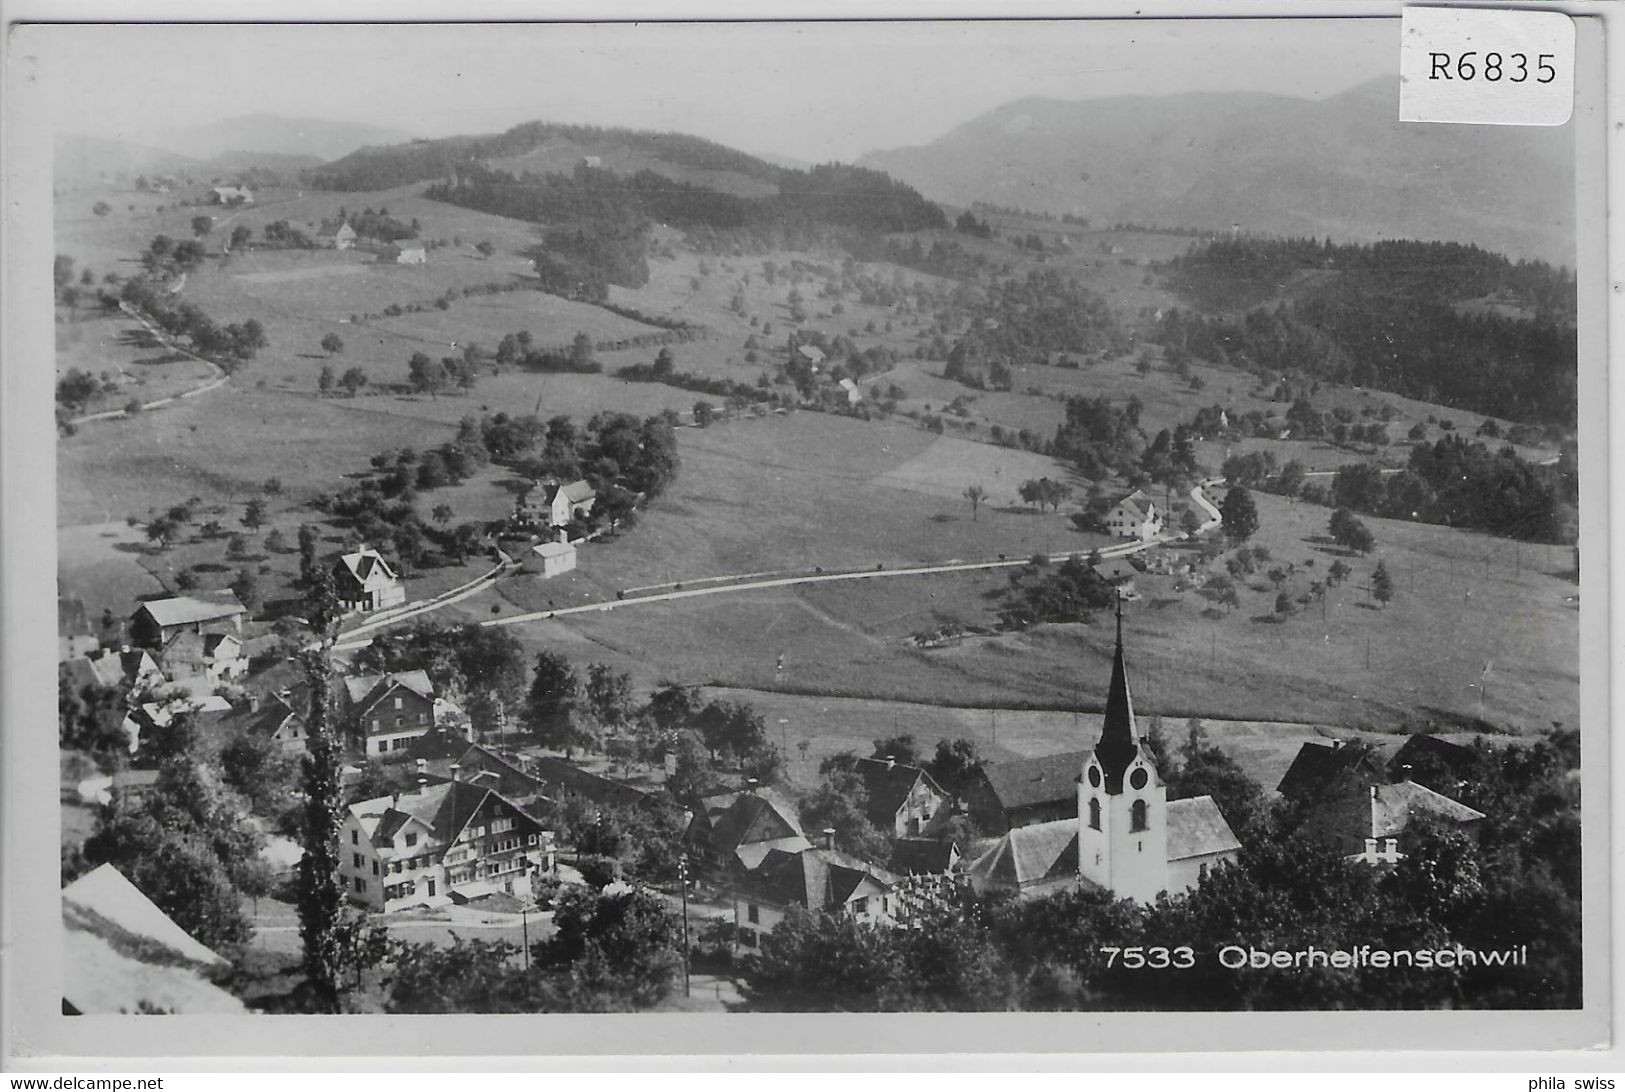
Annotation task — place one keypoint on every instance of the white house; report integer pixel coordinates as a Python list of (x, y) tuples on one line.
[(405, 253), (438, 843), (232, 195), (364, 581), (1135, 516), (560, 504), (549, 559), (336, 235)]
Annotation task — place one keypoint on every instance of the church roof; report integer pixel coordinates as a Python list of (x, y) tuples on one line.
[(1029, 855), (1197, 828)]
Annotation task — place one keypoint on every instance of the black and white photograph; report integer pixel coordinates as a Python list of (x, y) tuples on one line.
[(1046, 516)]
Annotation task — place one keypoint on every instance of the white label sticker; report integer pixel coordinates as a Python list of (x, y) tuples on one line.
[(1483, 66)]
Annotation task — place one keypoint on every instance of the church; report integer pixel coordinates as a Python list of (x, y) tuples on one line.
[(1128, 837)]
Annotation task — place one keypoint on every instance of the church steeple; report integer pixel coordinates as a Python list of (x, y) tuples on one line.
[(1119, 734)]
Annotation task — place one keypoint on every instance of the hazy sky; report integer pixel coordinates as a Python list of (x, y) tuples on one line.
[(813, 91)]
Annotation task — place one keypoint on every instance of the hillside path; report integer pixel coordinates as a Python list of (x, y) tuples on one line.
[(219, 379)]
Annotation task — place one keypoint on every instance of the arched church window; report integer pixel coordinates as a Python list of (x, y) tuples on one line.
[(1094, 814), (1137, 816)]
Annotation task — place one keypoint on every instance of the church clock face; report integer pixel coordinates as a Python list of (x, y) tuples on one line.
[(1094, 776), (1138, 778)]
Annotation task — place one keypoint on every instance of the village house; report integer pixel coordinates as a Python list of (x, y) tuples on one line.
[(124, 669), (159, 621), (1436, 762), (812, 354), (1002, 796), (439, 843), (276, 716), (553, 504), (1127, 837), (386, 713), (1120, 575), (821, 880), (903, 800), (924, 857), (404, 253), (201, 662), (151, 716), (365, 582), (1350, 805), (1135, 516), (562, 780), (549, 559), (336, 235), (734, 832), (231, 195), (122, 955)]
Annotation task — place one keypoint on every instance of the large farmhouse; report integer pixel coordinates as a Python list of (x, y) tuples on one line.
[(1135, 516), (385, 713), (160, 621)]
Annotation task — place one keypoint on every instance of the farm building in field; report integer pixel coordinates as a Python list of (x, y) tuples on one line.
[(364, 582), (549, 559), (404, 254), (1135, 516), (812, 354), (160, 621), (231, 195), (336, 235), (555, 505), (1119, 574)]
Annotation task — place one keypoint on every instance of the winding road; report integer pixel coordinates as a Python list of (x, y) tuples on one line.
[(219, 379), (746, 583)]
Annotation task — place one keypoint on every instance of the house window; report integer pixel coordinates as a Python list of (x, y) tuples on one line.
[(860, 906), (423, 718), (753, 913), (397, 702), (360, 884), (355, 837), (357, 858), (412, 838), (1137, 816), (375, 868), (431, 887), (1094, 813), (747, 938), (399, 720), (383, 746), (394, 866)]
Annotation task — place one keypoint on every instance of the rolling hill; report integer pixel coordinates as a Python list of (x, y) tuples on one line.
[(1342, 166), (310, 138)]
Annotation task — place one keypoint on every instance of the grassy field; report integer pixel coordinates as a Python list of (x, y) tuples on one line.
[(120, 350)]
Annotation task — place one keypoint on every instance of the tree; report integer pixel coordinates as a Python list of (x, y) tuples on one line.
[(955, 765), (254, 514), (1239, 515), (1382, 584), (840, 803), (552, 711), (974, 494), (442, 513), (426, 375), (308, 544), (275, 542), (903, 748), (332, 344), (1338, 573), (325, 379), (240, 236), (581, 351), (321, 896), (101, 208), (704, 414), (1189, 522), (247, 587), (161, 530), (202, 225), (485, 248), (91, 718), (609, 696), (1291, 479), (353, 380)]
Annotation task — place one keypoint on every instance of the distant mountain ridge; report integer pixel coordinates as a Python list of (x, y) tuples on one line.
[(1343, 166), (311, 138)]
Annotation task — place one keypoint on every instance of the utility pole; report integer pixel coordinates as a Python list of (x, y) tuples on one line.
[(1368, 652), (682, 876)]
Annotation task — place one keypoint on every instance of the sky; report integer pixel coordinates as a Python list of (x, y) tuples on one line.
[(808, 91)]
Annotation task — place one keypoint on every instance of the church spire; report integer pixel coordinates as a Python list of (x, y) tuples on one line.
[(1119, 734)]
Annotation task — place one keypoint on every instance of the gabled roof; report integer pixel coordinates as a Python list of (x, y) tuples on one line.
[(751, 817), (819, 879), (183, 610), (445, 808), (574, 492), (365, 564), (811, 352), (363, 689), (1422, 746), (1031, 854), (1318, 765), (553, 549), (555, 772), (213, 641), (1024, 782), (889, 785), (105, 892), (1137, 503), (1393, 806), (1197, 828), (98, 670), (1114, 569)]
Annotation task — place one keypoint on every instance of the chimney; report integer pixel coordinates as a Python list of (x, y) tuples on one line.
[(423, 774), (891, 761), (456, 772), (564, 536), (750, 786), (1405, 772), (829, 837), (1337, 744), (253, 702)]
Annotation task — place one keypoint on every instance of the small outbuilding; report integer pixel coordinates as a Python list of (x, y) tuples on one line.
[(549, 559)]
